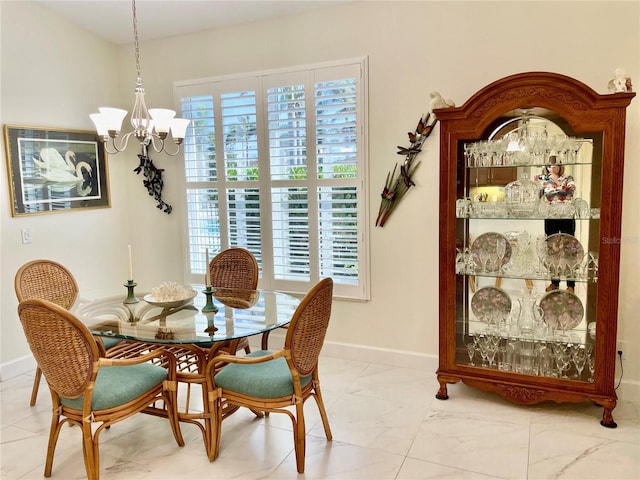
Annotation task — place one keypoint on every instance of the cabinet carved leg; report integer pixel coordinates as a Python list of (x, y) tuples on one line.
[(442, 391), (607, 415)]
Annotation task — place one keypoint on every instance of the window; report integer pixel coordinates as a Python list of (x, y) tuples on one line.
[(276, 163)]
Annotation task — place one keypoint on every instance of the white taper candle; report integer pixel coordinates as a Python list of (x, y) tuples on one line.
[(207, 277), (130, 265)]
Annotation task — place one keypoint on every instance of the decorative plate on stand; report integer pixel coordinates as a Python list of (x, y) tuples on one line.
[(562, 309), (485, 246), (490, 301), (563, 248)]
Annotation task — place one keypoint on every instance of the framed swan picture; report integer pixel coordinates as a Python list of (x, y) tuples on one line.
[(55, 170)]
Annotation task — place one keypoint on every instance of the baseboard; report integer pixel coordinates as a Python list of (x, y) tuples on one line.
[(629, 389), (385, 356), (17, 367), (350, 351)]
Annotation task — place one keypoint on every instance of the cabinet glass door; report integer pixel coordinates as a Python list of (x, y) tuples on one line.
[(527, 247)]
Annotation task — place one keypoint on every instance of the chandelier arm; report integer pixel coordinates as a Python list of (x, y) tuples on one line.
[(124, 141), (159, 145), (169, 153), (106, 148), (152, 138)]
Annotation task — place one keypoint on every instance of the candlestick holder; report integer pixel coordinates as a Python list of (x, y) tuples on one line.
[(131, 297), (209, 306), (211, 328)]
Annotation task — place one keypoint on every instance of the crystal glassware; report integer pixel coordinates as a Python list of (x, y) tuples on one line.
[(471, 350), (579, 356), (591, 364), (501, 250), (563, 361)]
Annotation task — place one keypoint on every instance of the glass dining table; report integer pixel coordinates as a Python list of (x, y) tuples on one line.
[(187, 329), (238, 314)]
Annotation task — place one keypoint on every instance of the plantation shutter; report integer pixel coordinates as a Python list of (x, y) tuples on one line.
[(274, 163)]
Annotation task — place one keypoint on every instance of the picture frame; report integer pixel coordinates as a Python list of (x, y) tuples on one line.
[(53, 170)]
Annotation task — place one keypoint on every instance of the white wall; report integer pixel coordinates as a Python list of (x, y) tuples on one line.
[(413, 48), (53, 75)]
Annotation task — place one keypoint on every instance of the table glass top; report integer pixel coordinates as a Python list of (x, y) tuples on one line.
[(241, 313)]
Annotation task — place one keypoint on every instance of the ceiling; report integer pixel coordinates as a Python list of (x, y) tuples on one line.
[(113, 19)]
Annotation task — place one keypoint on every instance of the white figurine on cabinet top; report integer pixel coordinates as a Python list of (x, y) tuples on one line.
[(620, 82), (437, 101)]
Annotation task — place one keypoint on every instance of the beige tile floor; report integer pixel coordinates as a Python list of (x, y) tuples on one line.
[(386, 424)]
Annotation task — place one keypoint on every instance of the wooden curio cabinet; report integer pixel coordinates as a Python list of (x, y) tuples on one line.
[(506, 325)]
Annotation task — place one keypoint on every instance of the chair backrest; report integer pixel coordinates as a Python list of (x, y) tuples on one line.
[(308, 327), (234, 268), (47, 280), (61, 344)]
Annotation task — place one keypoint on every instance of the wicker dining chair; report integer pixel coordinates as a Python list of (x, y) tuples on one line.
[(49, 280), (272, 381), (235, 268), (88, 389)]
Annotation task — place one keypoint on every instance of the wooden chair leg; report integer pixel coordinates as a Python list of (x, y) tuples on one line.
[(213, 422), (91, 460), (54, 432), (186, 407), (323, 413), (36, 386), (300, 436), (171, 404)]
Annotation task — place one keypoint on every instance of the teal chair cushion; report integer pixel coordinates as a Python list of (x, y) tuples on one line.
[(109, 342), (118, 385), (271, 379)]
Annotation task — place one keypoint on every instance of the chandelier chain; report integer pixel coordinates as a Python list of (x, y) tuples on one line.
[(135, 37)]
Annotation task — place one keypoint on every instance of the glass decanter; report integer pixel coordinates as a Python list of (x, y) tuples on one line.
[(522, 197)]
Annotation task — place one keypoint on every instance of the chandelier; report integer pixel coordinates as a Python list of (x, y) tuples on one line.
[(150, 126)]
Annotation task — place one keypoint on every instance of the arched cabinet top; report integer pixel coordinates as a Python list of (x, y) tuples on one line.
[(576, 102)]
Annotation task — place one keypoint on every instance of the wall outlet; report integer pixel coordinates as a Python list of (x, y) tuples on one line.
[(26, 235), (622, 347)]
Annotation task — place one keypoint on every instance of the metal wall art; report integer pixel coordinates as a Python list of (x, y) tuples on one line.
[(399, 182)]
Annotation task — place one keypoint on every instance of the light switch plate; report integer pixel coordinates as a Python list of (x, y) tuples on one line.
[(26, 235)]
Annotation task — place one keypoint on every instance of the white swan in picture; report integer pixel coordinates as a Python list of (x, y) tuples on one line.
[(51, 159), (63, 176)]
